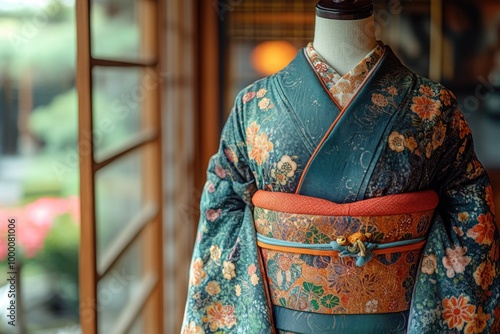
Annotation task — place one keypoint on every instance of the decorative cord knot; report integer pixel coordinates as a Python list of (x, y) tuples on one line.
[(356, 245), (362, 251)]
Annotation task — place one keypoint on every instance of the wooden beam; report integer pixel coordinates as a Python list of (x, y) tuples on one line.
[(87, 263)]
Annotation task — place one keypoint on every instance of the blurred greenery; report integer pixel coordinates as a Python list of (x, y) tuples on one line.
[(42, 47), (60, 258)]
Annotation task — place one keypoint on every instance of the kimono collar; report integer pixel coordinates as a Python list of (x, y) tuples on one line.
[(344, 87)]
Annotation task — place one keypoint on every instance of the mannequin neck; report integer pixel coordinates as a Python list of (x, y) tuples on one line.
[(344, 43)]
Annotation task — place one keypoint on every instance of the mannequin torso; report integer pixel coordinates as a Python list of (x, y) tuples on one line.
[(344, 43)]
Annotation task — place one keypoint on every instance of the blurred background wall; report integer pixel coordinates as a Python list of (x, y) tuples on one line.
[(212, 49)]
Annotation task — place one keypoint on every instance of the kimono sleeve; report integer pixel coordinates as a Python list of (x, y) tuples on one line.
[(458, 287), (226, 291)]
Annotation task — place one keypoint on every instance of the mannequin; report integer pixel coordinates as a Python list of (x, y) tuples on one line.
[(344, 32)]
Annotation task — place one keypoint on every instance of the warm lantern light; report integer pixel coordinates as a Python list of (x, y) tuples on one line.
[(272, 56)]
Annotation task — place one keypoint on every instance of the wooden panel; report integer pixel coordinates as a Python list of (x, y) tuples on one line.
[(148, 223), (183, 104), (151, 18), (208, 88), (436, 47)]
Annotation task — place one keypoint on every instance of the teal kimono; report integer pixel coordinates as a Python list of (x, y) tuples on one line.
[(395, 133)]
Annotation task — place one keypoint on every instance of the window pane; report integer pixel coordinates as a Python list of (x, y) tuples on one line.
[(118, 199), (119, 288), (138, 327), (116, 30), (39, 183), (118, 94)]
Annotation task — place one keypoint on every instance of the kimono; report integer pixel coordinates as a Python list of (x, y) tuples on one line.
[(310, 159)]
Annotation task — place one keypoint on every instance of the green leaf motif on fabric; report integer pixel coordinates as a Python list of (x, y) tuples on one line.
[(283, 302), (315, 304), (322, 238), (330, 301), (315, 289)]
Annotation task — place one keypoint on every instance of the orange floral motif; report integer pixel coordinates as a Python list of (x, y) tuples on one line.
[(197, 272), (484, 275), (460, 124), (455, 261), (411, 143), (438, 135), (474, 169), (426, 90), (425, 107), (212, 288), (445, 96), (392, 90), (261, 148), (457, 311), (478, 322), (495, 251), (428, 150), (490, 198), (483, 232), (379, 100), (219, 316), (458, 231), (396, 141), (463, 217), (251, 132)]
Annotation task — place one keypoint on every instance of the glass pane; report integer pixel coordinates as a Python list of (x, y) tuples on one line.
[(39, 175), (138, 327), (118, 94), (119, 288), (115, 29), (118, 198)]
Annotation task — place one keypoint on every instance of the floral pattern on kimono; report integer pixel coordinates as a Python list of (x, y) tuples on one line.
[(428, 145)]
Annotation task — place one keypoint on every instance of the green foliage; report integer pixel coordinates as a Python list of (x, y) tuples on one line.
[(57, 123), (60, 251)]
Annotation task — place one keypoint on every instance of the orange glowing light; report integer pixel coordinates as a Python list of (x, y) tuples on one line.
[(272, 56)]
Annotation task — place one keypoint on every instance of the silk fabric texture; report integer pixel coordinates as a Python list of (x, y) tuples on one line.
[(395, 132)]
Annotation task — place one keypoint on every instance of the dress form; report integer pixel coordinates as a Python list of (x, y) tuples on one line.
[(344, 32)]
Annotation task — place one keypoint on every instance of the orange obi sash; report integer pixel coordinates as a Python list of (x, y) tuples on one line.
[(355, 258)]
